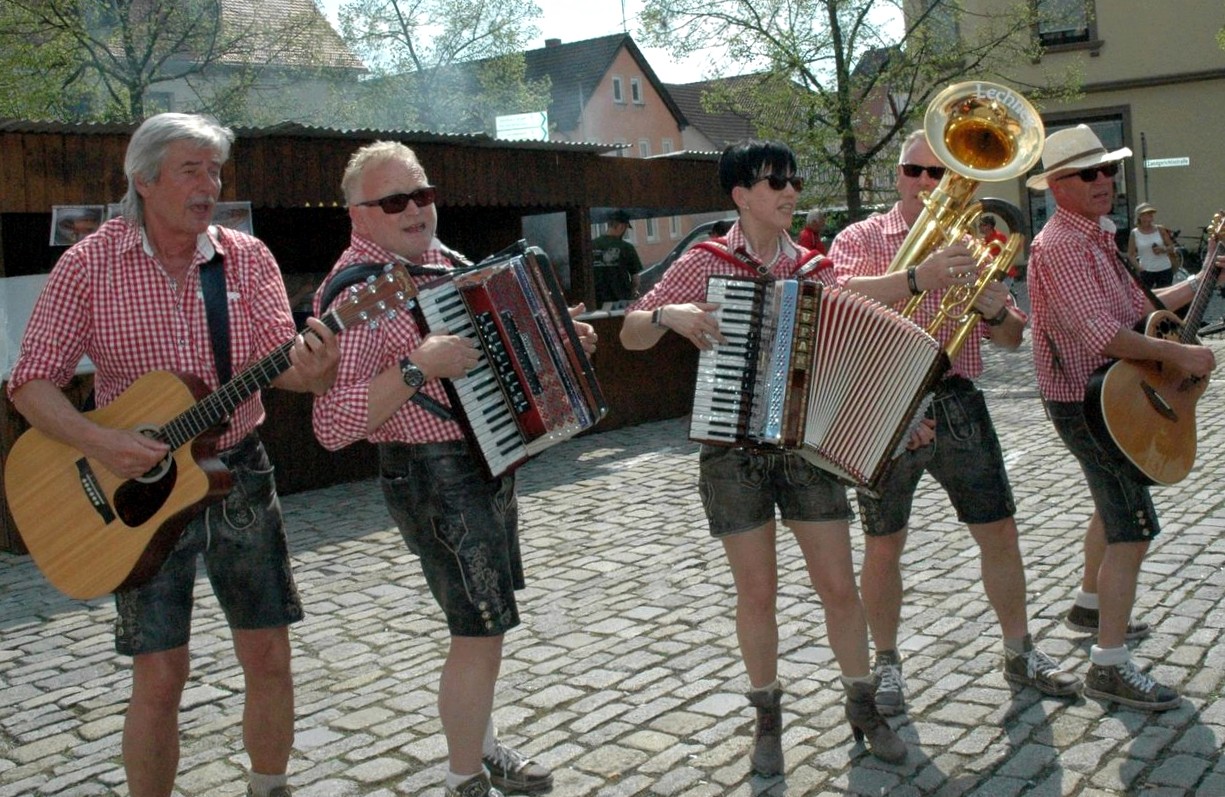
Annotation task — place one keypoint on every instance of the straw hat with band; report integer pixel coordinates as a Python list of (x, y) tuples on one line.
[(1071, 149)]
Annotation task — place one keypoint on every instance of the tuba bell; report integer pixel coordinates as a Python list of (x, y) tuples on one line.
[(981, 132)]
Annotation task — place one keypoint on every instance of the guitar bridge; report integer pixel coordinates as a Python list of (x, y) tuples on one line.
[(1161, 405)]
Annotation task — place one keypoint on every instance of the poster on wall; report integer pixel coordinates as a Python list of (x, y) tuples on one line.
[(71, 223), (235, 215)]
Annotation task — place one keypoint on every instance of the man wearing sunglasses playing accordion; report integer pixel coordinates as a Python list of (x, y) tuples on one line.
[(1085, 304), (965, 458), (462, 525)]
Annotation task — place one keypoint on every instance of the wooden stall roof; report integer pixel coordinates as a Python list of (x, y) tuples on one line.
[(291, 165)]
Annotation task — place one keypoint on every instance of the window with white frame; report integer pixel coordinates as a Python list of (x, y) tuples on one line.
[(636, 90), (618, 91), (665, 146), (652, 231), (620, 143), (644, 147), (674, 227)]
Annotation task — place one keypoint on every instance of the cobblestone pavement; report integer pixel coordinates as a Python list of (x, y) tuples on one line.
[(625, 677)]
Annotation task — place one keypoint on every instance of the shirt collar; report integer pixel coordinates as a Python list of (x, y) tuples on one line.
[(206, 247)]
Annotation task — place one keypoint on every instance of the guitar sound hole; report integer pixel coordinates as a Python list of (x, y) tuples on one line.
[(137, 500)]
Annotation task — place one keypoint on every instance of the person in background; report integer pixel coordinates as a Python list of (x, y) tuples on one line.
[(810, 236), (461, 524), (1150, 249), (990, 236), (616, 262), (741, 485), (965, 459), (155, 251), (1084, 307)]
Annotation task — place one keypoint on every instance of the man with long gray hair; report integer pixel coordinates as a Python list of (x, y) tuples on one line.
[(130, 296)]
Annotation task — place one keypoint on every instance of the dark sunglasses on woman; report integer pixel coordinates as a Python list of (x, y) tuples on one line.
[(778, 183)]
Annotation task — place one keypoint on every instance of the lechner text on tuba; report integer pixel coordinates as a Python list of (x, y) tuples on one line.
[(981, 132)]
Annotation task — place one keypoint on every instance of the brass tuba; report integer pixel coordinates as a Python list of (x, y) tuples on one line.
[(981, 132)]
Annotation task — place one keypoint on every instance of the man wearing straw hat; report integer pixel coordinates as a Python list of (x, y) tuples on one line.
[(1084, 306)]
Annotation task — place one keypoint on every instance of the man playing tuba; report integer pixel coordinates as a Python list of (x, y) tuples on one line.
[(966, 458)]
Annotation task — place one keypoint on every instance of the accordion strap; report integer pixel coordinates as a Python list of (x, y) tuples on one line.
[(810, 260)]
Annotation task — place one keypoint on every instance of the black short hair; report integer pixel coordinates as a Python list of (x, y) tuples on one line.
[(745, 161)]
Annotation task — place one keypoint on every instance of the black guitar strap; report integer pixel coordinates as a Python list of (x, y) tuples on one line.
[(217, 311)]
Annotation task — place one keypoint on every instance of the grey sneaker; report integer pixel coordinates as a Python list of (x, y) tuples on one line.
[(1127, 685), (475, 786), (890, 688), (1084, 621), (513, 772), (1035, 668)]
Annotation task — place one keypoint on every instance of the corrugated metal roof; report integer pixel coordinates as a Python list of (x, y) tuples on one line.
[(310, 131)]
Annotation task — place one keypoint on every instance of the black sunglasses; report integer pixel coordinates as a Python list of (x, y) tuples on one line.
[(1090, 174), (914, 170), (422, 197), (779, 183)]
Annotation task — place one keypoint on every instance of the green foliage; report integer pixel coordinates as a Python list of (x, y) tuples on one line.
[(442, 65), (842, 81), (37, 70), (105, 57)]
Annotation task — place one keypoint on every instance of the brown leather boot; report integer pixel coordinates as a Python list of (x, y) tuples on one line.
[(767, 756), (866, 721)]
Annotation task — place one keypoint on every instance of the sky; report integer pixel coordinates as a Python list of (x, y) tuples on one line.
[(576, 20)]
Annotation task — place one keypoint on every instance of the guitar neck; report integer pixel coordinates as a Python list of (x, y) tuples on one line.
[(221, 403), (1203, 295)]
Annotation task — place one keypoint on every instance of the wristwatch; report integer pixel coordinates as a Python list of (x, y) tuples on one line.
[(999, 318), (413, 376)]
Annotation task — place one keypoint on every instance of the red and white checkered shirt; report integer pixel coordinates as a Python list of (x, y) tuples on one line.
[(340, 415), (1081, 297), (685, 280), (866, 248), (109, 298)]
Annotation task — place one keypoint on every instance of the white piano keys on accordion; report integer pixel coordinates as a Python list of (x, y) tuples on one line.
[(479, 391), (722, 393)]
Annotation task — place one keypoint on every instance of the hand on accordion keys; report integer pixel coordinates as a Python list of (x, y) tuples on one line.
[(695, 321), (445, 356), (586, 332)]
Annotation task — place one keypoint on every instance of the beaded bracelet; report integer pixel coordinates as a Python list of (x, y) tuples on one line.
[(912, 281)]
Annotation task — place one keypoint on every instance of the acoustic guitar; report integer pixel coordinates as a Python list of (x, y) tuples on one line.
[(91, 532), (1145, 410)]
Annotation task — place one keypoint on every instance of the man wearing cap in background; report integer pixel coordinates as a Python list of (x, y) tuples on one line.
[(616, 262), (1085, 303)]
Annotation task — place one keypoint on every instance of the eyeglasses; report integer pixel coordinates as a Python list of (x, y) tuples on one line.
[(1090, 174), (914, 170), (422, 197), (779, 183)]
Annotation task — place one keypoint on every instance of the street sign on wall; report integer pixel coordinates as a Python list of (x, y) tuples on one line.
[(1161, 163)]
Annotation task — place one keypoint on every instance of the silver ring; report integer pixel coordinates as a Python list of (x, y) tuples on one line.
[(952, 271)]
